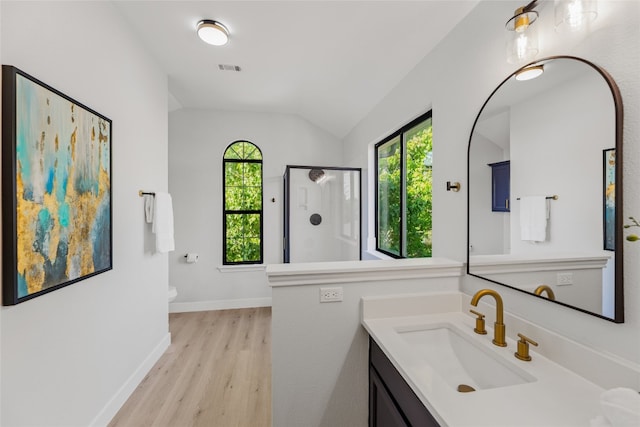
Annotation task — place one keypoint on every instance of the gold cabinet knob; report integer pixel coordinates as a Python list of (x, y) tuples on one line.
[(479, 329), (523, 348)]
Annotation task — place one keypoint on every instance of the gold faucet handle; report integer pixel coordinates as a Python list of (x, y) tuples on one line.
[(523, 348), (479, 329)]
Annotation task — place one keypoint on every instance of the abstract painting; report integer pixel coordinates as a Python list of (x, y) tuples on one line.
[(56, 189), (609, 168)]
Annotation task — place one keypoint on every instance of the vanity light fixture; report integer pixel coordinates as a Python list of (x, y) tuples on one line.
[(529, 73), (522, 39), (573, 15), (212, 32)]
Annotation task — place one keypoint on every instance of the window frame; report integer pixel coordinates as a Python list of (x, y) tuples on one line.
[(226, 211), (403, 183)]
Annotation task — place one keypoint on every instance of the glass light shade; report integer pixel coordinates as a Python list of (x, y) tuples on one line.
[(522, 46), (573, 15), (212, 32), (521, 20)]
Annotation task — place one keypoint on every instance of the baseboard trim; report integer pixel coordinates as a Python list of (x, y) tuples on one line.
[(120, 397), (185, 307)]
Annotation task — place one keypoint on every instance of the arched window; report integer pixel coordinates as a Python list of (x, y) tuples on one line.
[(242, 181)]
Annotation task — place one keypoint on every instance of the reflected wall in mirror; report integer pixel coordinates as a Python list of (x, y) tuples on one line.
[(542, 186)]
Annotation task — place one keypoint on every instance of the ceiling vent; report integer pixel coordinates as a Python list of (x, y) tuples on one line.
[(225, 67)]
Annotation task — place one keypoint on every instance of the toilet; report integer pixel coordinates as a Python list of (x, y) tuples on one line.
[(173, 293)]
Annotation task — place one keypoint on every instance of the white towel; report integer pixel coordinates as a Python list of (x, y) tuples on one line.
[(163, 222), (533, 218), (148, 208), (621, 407)]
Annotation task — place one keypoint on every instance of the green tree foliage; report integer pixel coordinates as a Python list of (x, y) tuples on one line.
[(389, 191), (418, 195), (243, 203)]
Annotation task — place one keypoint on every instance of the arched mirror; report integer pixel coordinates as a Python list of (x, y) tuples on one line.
[(545, 186)]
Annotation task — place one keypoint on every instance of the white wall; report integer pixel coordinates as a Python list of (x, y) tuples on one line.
[(337, 200), (487, 228), (455, 79), (197, 140), (67, 354), (585, 292), (320, 350), (564, 158)]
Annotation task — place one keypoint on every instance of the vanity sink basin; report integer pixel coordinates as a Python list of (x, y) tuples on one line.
[(460, 360)]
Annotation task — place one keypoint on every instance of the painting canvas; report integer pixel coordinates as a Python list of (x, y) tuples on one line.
[(609, 199), (56, 189)]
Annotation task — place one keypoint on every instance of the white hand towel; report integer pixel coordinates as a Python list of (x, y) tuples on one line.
[(621, 407), (163, 222), (533, 218), (148, 208)]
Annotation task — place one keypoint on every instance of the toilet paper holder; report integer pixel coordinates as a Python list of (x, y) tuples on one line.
[(191, 258)]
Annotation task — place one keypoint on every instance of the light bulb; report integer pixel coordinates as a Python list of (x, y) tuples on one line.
[(521, 47), (522, 40)]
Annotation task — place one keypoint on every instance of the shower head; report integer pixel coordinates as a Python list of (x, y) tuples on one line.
[(316, 175)]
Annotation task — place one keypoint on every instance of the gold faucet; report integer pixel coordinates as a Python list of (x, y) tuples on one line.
[(544, 288), (498, 327), (523, 348)]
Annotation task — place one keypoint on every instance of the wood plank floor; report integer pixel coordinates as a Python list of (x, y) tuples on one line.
[(216, 373)]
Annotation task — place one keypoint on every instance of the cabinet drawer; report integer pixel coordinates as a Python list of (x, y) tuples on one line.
[(406, 400), (383, 410)]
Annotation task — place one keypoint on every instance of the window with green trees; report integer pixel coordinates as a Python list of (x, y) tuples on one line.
[(403, 190), (242, 181)]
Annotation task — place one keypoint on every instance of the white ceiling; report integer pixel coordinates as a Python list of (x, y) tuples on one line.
[(330, 62)]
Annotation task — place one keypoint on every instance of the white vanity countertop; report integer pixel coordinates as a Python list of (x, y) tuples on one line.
[(557, 397)]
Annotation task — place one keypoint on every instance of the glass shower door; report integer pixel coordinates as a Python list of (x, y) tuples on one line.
[(322, 214)]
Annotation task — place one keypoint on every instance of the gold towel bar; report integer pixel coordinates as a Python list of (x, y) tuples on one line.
[(554, 197)]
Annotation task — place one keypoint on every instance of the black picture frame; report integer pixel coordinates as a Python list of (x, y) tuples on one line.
[(56, 189)]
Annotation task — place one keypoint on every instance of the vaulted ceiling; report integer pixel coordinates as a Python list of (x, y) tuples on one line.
[(330, 62)]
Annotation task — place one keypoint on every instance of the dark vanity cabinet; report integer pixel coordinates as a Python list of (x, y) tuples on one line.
[(392, 403), (500, 186)]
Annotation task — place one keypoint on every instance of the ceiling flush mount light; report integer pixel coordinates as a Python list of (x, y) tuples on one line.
[(212, 32), (522, 40), (573, 15), (529, 73)]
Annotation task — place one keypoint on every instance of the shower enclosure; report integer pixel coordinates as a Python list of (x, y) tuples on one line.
[(321, 214)]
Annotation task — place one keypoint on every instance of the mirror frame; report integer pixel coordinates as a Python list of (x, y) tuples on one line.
[(619, 258)]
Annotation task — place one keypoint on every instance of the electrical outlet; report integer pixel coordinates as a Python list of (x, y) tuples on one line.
[(565, 279), (330, 294)]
